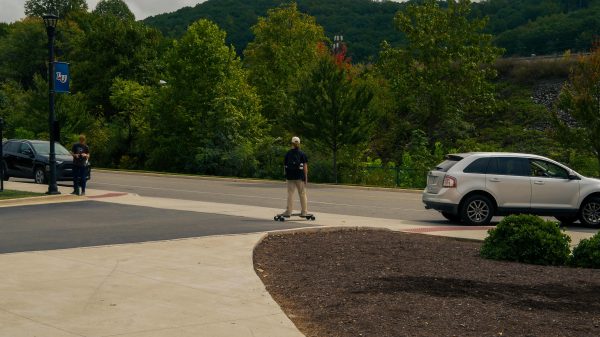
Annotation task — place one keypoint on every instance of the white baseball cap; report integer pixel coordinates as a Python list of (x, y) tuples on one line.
[(295, 140)]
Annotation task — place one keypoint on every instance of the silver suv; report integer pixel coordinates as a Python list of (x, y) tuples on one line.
[(474, 187)]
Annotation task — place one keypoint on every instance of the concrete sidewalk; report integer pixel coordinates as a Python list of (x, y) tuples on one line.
[(190, 287)]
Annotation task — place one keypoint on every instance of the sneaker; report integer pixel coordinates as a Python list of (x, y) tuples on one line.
[(82, 193), (286, 214), (75, 193)]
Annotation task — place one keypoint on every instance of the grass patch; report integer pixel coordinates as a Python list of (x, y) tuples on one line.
[(10, 194)]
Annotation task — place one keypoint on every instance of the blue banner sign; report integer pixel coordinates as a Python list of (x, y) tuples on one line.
[(61, 77)]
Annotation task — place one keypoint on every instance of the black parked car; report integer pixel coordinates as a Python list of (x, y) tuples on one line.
[(30, 158)]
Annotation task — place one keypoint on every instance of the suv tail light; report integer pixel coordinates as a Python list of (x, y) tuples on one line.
[(449, 181)]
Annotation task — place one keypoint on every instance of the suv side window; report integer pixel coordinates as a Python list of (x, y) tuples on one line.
[(24, 147), (510, 166), (12, 147), (479, 166), (542, 168)]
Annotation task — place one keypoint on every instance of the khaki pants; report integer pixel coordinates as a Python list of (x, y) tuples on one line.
[(292, 185)]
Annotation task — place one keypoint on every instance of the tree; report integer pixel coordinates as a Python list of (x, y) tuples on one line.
[(283, 53), (23, 51), (581, 97), (206, 110), (441, 79), (117, 8), (59, 7), (132, 101), (333, 106), (114, 48)]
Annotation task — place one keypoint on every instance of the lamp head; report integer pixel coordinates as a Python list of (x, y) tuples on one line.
[(50, 21)]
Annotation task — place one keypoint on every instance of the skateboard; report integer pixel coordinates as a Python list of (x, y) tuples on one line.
[(282, 217)]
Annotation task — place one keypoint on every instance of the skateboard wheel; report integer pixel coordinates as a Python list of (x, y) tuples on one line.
[(275, 218), (312, 218), (281, 219)]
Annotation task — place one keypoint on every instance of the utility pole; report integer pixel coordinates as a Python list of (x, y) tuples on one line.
[(336, 48)]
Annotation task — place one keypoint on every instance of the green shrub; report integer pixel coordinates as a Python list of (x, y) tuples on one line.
[(587, 253), (528, 239)]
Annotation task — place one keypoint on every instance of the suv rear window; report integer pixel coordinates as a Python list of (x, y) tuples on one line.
[(445, 165), (478, 166)]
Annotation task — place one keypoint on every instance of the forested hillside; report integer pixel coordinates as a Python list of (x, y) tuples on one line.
[(522, 27), (525, 27), (364, 23)]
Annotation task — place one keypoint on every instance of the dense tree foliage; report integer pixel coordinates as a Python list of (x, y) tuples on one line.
[(522, 27), (581, 97), (280, 58), (363, 23), (333, 106), (59, 7), (442, 77), (193, 103), (114, 48), (527, 27), (23, 51), (116, 8), (207, 109)]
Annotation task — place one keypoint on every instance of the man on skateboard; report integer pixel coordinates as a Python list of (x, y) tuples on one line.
[(296, 174)]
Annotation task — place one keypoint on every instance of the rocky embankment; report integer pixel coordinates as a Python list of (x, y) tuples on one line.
[(546, 93)]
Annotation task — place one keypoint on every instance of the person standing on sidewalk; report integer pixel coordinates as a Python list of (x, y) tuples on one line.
[(81, 155), (296, 174)]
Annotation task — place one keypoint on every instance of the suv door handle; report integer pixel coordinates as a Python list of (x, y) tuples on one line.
[(538, 182), (495, 180)]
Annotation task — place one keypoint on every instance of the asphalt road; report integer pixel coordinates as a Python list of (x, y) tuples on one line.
[(93, 223), (388, 204)]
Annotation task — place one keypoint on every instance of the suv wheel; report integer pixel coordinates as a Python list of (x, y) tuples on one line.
[(40, 176), (590, 212), (477, 210), (566, 220), (451, 217)]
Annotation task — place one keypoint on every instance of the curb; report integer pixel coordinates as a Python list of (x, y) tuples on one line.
[(322, 229), (253, 180), (48, 199), (327, 229)]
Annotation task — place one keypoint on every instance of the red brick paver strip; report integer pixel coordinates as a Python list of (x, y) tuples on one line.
[(107, 195), (447, 229)]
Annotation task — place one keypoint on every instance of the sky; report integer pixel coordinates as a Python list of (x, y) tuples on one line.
[(13, 10)]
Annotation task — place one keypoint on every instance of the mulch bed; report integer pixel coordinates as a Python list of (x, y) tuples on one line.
[(383, 283)]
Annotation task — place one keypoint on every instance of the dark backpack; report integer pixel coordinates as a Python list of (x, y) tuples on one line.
[(294, 162)]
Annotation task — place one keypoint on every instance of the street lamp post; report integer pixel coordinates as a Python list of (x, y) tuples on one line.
[(50, 22)]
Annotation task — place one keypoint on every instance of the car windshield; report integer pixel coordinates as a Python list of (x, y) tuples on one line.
[(44, 148)]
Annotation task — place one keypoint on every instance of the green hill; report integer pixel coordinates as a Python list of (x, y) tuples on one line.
[(525, 27), (522, 27), (363, 23)]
